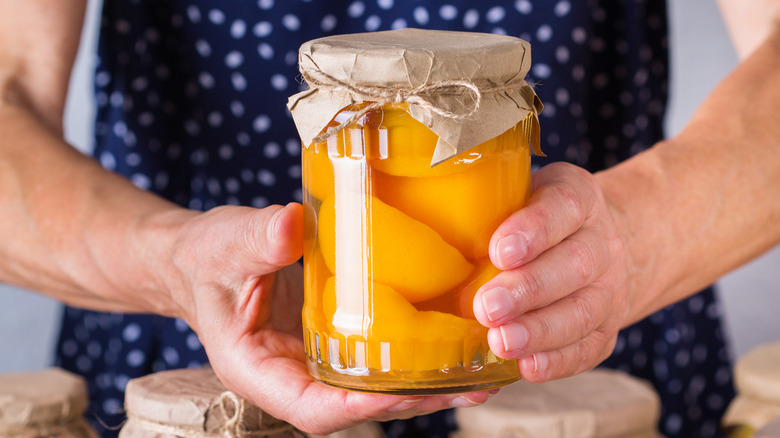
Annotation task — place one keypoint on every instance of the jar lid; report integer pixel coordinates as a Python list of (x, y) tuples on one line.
[(757, 374), (596, 404), (466, 87), (194, 403), (52, 399)]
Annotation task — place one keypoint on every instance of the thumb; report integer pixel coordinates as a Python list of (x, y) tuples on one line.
[(275, 237)]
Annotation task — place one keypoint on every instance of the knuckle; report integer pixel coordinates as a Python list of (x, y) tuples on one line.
[(527, 290), (585, 313), (583, 259)]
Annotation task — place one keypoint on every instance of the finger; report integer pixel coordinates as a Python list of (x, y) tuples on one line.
[(568, 361), (274, 237), (567, 267), (563, 198), (563, 323)]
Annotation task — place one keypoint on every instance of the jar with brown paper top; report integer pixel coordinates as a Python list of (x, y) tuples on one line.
[(595, 404), (416, 146), (757, 378), (193, 403), (43, 404)]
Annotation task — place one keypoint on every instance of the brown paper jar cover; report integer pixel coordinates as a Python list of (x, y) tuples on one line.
[(466, 87), (595, 404), (43, 404), (193, 403), (757, 378)]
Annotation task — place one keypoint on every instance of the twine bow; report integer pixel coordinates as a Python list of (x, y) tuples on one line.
[(380, 96), (233, 426)]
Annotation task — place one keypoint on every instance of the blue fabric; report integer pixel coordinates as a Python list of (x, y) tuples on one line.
[(191, 105)]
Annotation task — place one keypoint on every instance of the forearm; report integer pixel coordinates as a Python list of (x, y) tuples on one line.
[(708, 200), (73, 230)]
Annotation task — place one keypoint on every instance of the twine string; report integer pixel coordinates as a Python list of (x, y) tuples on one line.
[(380, 96)]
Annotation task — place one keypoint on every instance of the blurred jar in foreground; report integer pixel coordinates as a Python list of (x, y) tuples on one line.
[(194, 403), (757, 378), (43, 404), (417, 145), (595, 404)]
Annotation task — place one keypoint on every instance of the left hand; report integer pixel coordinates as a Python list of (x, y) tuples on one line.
[(563, 294)]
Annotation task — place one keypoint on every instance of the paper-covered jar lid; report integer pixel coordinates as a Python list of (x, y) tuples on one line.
[(771, 430), (466, 87), (193, 403), (595, 404), (43, 404), (757, 374)]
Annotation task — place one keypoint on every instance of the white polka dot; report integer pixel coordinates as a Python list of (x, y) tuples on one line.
[(112, 406), (199, 156), (279, 82), (266, 178), (193, 13), (421, 15), (498, 31), (161, 180), (261, 123), (578, 73), (120, 382), (247, 175), (238, 80), (203, 48), (117, 99), (133, 159), (94, 349), (195, 204), (243, 139), (101, 99), (356, 9), (470, 19), (259, 202), (495, 14), (672, 336), (122, 26), (291, 58), (328, 23), (544, 33), (385, 4), (291, 22), (206, 80), (399, 23), (192, 341), (640, 78), (238, 29), (660, 369), (216, 16), (579, 35), (141, 181), (448, 12), (562, 8), (225, 152), (139, 84), (541, 71), (294, 171), (524, 6), (372, 23), (626, 98), (69, 348), (234, 59), (107, 160), (293, 146), (174, 151), (272, 149), (265, 51), (171, 356), (722, 376), (297, 195), (265, 4), (214, 187), (232, 185), (214, 119), (192, 127), (597, 44), (262, 29)]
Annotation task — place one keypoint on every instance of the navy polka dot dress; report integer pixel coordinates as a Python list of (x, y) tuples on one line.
[(191, 105)]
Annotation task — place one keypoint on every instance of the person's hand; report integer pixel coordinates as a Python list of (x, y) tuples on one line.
[(563, 294), (243, 295)]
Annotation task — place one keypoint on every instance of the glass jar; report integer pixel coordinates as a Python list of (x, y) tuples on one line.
[(416, 146), (395, 251)]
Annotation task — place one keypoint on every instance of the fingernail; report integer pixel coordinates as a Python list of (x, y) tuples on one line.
[(497, 303), (515, 336), (406, 404), (493, 392), (540, 363), (510, 249), (273, 225), (463, 402)]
